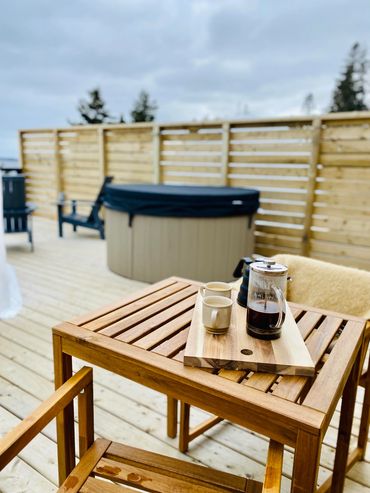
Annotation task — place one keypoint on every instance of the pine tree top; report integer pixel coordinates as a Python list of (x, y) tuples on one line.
[(93, 111), (350, 92)]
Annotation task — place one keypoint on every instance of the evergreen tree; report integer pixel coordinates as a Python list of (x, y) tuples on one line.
[(93, 111), (350, 92), (144, 109), (308, 104)]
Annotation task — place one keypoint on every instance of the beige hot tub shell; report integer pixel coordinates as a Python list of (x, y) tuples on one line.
[(154, 248)]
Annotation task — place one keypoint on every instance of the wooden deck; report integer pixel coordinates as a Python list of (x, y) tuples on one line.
[(67, 277)]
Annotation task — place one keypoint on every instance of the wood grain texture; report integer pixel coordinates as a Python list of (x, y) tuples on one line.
[(81, 472), (274, 468), (287, 355)]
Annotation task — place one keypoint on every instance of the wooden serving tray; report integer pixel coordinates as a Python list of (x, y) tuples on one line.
[(287, 355)]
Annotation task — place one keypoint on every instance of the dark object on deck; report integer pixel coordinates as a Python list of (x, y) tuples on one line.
[(181, 201), (92, 221), (157, 231), (242, 269), (16, 212)]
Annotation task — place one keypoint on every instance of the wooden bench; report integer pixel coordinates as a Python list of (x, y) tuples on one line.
[(108, 467)]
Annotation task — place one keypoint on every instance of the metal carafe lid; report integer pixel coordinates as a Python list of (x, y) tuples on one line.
[(269, 267)]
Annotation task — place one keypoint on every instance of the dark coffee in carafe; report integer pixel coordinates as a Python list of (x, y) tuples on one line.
[(266, 303), (262, 319)]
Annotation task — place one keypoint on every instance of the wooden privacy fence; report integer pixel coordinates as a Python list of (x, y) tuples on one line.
[(313, 172)]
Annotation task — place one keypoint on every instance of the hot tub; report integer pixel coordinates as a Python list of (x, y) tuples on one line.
[(157, 231)]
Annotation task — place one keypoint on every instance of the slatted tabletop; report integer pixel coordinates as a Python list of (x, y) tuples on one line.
[(143, 337)]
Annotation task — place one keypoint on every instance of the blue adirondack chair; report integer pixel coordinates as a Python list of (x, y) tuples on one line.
[(92, 221), (17, 213)]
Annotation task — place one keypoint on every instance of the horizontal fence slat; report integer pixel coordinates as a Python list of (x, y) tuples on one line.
[(268, 159), (341, 172), (339, 159), (343, 186), (258, 134), (346, 146), (273, 170), (359, 239), (291, 147), (355, 132)]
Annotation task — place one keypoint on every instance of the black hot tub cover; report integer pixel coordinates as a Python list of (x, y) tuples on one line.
[(181, 201)]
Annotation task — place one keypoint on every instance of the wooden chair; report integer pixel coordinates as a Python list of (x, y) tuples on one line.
[(337, 288), (17, 214), (108, 467), (91, 221), (323, 285)]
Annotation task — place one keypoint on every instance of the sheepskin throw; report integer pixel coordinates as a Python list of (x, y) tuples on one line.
[(327, 286)]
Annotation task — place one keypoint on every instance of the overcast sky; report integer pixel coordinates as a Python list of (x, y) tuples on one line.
[(197, 58)]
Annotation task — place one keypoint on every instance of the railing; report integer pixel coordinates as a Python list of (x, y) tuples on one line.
[(313, 172)]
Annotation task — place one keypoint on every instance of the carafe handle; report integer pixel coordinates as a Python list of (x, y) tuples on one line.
[(281, 302)]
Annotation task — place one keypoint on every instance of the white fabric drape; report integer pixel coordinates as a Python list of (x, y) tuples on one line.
[(10, 295)]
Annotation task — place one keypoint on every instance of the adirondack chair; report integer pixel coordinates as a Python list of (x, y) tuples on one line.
[(17, 213), (108, 467), (92, 221)]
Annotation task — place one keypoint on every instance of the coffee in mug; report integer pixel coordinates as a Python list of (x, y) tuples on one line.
[(216, 288)]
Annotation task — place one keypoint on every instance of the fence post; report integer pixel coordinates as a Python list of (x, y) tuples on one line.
[(102, 155), (225, 153), (20, 150), (311, 185), (156, 142), (57, 164)]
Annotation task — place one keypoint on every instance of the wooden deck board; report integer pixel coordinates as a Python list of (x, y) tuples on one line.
[(67, 277)]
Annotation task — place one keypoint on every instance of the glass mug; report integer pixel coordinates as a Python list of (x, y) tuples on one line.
[(266, 305)]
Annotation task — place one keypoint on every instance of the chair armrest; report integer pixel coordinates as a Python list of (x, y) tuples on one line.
[(77, 201), (31, 207), (26, 430), (83, 201), (274, 468)]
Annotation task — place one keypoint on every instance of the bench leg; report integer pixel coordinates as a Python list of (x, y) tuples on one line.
[(74, 228)]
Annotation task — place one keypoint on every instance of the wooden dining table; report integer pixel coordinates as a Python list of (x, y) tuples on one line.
[(142, 337)]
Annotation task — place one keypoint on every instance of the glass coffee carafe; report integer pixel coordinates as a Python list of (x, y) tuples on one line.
[(266, 304)]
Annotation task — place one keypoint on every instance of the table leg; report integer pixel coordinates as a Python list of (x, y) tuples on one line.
[(345, 427), (171, 417), (65, 419), (306, 463), (184, 427)]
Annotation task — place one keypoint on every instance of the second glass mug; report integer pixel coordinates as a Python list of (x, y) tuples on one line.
[(266, 306)]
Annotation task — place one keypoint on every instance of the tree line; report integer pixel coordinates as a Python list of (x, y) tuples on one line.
[(349, 95), (93, 110)]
